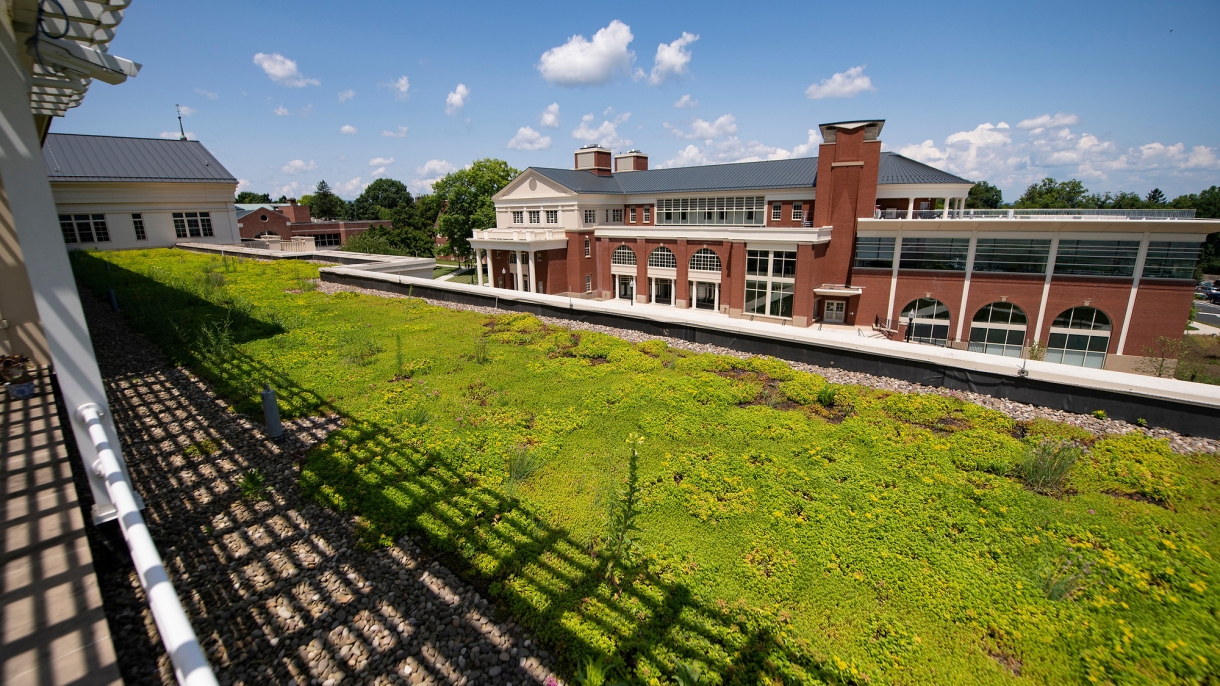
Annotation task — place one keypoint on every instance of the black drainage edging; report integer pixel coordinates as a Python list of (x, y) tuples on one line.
[(1185, 418)]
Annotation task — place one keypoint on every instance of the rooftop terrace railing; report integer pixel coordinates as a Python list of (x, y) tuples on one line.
[(1073, 213)]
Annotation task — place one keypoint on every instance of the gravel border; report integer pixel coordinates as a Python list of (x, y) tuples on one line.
[(277, 589), (1018, 411)]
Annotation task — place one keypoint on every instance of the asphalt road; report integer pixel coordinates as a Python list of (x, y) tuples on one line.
[(1208, 313)]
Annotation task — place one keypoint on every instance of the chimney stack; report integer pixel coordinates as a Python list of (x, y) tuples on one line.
[(632, 160), (593, 158)]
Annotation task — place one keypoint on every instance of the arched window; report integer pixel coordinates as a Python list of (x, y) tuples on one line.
[(662, 257), (998, 329), (623, 255), (931, 321), (705, 260), (1079, 337)]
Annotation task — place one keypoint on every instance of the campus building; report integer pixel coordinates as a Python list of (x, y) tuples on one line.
[(855, 237), (288, 220), (117, 193)]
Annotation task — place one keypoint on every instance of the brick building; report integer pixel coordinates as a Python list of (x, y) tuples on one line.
[(855, 237), (290, 219)]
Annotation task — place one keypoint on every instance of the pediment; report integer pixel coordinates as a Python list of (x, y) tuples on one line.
[(530, 184)]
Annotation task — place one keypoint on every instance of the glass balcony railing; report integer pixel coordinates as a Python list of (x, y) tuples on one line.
[(1060, 214)]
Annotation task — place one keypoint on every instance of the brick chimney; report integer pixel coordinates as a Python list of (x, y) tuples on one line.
[(632, 160), (295, 213), (848, 162), (593, 158)]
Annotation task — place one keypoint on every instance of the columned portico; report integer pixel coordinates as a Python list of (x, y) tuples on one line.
[(524, 247)]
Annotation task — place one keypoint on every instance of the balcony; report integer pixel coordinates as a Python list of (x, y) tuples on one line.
[(524, 235), (1056, 215)]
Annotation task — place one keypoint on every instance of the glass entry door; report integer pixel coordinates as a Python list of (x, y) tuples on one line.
[(835, 310), (705, 295), (626, 287), (662, 291)]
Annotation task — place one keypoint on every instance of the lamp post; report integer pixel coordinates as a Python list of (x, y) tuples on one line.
[(910, 325)]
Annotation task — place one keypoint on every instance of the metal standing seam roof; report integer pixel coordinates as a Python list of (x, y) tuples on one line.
[(741, 176), (74, 157)]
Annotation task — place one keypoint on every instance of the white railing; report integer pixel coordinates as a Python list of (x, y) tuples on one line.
[(520, 234), (181, 644), (1075, 213)]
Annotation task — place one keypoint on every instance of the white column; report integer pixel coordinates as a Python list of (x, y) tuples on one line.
[(533, 273), (1046, 287), (1135, 286), (947, 205), (911, 208), (478, 265), (520, 285), (961, 317), (889, 309)]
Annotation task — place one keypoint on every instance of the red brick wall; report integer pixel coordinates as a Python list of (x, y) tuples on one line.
[(733, 278), (1161, 309), (252, 224), (786, 219), (639, 215), (1022, 290), (871, 303), (845, 193), (944, 286), (553, 267)]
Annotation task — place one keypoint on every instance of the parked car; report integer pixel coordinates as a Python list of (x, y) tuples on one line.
[(1205, 286)]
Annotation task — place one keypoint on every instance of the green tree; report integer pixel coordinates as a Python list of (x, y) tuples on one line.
[(984, 196), (1206, 205), (250, 197), (465, 196), (1156, 198), (324, 204), (380, 199), (1049, 193), (283, 199)]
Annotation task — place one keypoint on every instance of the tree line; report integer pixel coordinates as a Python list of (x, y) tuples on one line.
[(405, 224), (1072, 194)]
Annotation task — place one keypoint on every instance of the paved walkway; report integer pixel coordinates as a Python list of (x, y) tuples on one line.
[(53, 630)]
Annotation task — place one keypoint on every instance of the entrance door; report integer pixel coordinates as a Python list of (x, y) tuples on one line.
[(626, 287), (663, 291), (705, 295), (835, 310)]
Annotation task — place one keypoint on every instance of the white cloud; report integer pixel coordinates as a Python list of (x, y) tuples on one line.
[(283, 70), (732, 149), (401, 87), (378, 171), (289, 189), (347, 128), (207, 94), (529, 139), (346, 95), (456, 100), (397, 133), (810, 147), (186, 111), (1047, 121), (845, 84), (672, 58), (726, 125), (243, 185), (550, 116), (605, 134), (581, 62), (430, 173), (381, 161), (298, 166), (282, 111), (686, 101), (351, 188), (175, 135)]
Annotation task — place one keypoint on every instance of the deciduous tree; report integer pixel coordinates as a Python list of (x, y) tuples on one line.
[(466, 197), (984, 196)]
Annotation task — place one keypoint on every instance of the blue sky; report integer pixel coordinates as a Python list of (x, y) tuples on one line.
[(1123, 96)]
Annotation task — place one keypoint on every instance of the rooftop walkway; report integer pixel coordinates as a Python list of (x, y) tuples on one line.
[(53, 631)]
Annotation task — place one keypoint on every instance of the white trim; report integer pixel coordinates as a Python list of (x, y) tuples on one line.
[(1046, 286), (696, 233), (961, 311), (1135, 286), (774, 247), (889, 310)]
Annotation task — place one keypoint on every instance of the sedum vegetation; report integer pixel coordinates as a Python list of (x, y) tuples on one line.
[(651, 513)]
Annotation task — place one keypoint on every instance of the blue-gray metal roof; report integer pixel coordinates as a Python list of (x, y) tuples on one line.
[(73, 157), (801, 172)]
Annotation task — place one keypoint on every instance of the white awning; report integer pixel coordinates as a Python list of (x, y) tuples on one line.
[(838, 291)]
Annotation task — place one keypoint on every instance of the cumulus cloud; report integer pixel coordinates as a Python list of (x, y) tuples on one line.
[(282, 111), (430, 173), (175, 135), (351, 188), (243, 185), (1049, 147), (283, 70), (401, 87), (381, 161), (400, 132), (456, 100), (207, 94), (347, 128), (672, 58), (378, 171), (686, 101), (298, 166), (550, 116), (726, 125), (604, 134), (581, 62), (289, 189), (346, 95), (186, 111), (845, 84), (529, 139), (730, 148)]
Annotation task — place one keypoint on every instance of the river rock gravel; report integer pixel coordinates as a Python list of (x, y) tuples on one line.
[(1015, 410), (277, 589)]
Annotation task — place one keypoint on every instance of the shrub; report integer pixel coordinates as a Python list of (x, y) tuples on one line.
[(1099, 414), (253, 485), (1046, 464), (826, 396)]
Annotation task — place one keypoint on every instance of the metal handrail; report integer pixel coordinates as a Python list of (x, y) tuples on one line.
[(191, 667), (1072, 213)]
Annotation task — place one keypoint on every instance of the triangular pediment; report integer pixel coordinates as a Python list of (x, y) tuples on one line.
[(531, 184)]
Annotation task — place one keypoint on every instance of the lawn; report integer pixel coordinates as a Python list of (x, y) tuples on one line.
[(773, 529)]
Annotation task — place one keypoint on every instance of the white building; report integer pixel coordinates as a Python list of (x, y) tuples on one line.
[(114, 193)]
